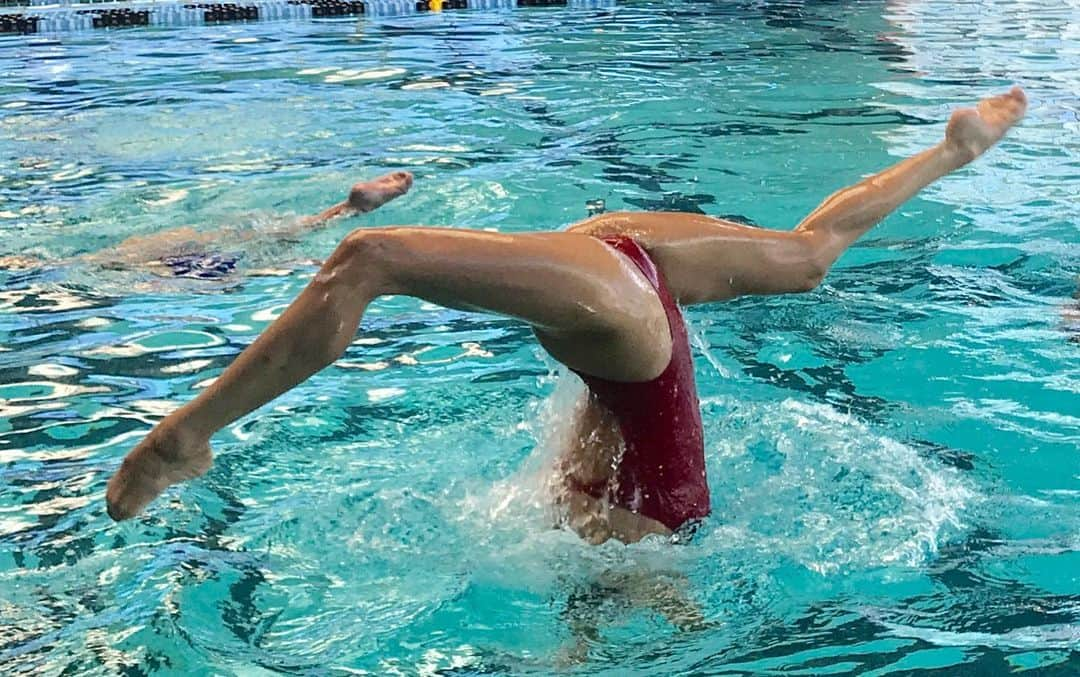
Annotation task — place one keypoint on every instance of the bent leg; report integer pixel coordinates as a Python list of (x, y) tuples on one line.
[(591, 308), (706, 259)]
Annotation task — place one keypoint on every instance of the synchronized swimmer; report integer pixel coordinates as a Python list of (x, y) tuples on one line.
[(602, 298), (190, 253)]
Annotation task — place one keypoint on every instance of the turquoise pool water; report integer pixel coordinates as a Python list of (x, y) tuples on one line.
[(894, 457)]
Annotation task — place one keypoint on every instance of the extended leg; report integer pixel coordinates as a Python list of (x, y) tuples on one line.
[(706, 259), (364, 197), (147, 250), (591, 308)]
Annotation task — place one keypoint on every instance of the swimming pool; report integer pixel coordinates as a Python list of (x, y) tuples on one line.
[(893, 457)]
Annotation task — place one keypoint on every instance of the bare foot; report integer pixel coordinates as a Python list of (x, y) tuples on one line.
[(165, 457), (368, 195), (973, 130)]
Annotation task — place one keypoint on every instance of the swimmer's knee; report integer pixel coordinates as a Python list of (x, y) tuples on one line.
[(370, 254), (811, 266), (810, 277), (372, 244)]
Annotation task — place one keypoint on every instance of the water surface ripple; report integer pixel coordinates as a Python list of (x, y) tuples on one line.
[(893, 456)]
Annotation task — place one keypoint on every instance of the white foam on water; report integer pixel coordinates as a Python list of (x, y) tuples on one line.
[(1035, 637), (496, 91), (268, 314), (435, 84), (383, 394), (168, 197), (513, 522), (808, 483), (837, 496), (71, 173), (363, 366), (427, 147), (372, 74), (317, 71)]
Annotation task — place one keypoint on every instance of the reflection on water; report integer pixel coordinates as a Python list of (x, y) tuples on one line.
[(892, 457)]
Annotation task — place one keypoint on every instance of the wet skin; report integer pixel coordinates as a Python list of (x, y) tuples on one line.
[(589, 306), (150, 252)]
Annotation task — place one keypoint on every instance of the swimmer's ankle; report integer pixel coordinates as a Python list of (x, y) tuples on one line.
[(167, 456), (188, 425), (179, 440), (954, 155)]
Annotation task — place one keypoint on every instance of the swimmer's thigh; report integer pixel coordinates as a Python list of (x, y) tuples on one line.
[(705, 259), (591, 308)]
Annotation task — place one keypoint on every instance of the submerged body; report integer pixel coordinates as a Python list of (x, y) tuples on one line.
[(185, 252), (655, 467), (606, 312)]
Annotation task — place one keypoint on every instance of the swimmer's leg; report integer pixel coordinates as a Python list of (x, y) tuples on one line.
[(20, 263), (707, 260), (148, 250), (364, 197), (610, 597), (591, 308)]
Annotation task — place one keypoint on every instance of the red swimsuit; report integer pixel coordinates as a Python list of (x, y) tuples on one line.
[(662, 471)]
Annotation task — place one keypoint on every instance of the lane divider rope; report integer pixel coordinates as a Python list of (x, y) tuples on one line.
[(80, 17)]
